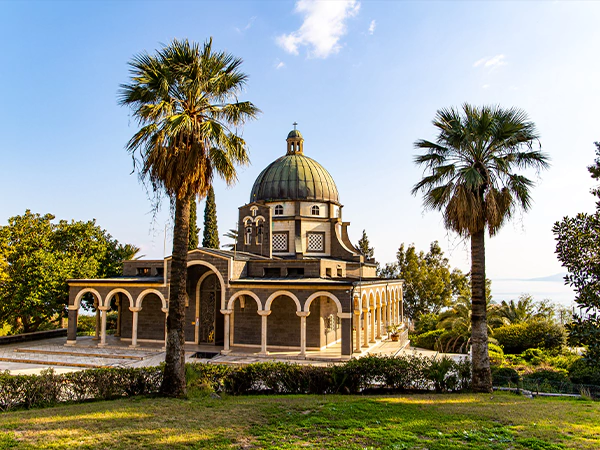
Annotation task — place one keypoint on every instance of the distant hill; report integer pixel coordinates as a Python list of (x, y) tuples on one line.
[(557, 277)]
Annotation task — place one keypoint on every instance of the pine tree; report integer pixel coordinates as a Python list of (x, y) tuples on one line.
[(193, 238), (363, 246), (211, 231)]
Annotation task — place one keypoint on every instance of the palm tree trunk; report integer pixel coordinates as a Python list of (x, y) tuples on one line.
[(174, 383), (482, 377)]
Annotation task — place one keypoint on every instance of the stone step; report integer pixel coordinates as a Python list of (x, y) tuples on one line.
[(79, 354), (55, 363)]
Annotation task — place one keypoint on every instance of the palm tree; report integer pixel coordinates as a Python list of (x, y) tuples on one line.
[(233, 235), (524, 310), (185, 99), (471, 177)]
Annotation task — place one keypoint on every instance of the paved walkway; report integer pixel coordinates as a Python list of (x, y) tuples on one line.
[(32, 357)]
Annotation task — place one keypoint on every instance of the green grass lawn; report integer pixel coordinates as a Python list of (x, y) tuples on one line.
[(456, 421)]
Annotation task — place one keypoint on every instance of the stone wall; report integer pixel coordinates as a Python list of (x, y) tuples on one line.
[(283, 324)]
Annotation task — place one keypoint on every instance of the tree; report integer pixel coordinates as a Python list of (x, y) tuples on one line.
[(185, 99), (363, 247), (429, 283), (194, 230), (578, 249), (233, 235), (210, 238), (471, 176), (39, 256), (524, 310)]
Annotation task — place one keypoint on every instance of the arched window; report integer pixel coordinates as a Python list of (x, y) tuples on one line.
[(248, 236), (259, 235), (315, 210), (279, 210)]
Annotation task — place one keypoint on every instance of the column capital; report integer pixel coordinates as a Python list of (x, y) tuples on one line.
[(358, 312), (135, 309), (165, 310), (262, 312), (72, 308), (104, 308), (345, 315), (302, 313), (226, 311)]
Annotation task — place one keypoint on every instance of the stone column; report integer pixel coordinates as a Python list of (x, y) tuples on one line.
[(372, 326), (365, 342), (263, 332), (346, 333), (118, 330), (103, 311), (134, 326), (357, 330), (72, 326), (378, 336), (303, 315), (166, 311), (388, 308), (227, 327), (384, 319), (97, 334)]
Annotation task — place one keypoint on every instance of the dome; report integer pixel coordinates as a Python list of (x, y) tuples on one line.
[(294, 134), (294, 177)]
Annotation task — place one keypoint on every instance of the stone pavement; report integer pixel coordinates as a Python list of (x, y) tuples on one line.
[(32, 357)]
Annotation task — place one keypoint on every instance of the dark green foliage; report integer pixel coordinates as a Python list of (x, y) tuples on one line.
[(578, 249), (87, 324), (425, 323), (193, 239), (49, 388), (584, 372), (37, 257), (429, 339), (504, 376), (429, 284), (211, 232), (534, 334), (363, 247)]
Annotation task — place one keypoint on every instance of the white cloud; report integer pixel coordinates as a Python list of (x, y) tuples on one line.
[(247, 27), (280, 65), (486, 86), (323, 26), (372, 26), (491, 63)]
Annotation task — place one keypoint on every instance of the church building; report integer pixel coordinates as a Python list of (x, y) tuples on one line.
[(293, 282)]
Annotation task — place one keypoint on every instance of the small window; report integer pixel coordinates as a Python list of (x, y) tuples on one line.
[(160, 271), (279, 210), (328, 272), (315, 211), (248, 236), (259, 235), (295, 272), (316, 242), (143, 271), (253, 210), (280, 242), (340, 273), (272, 272)]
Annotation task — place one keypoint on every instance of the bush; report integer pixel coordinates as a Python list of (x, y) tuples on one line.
[(533, 334), (584, 372), (504, 376), (496, 354), (429, 339), (426, 322), (547, 380)]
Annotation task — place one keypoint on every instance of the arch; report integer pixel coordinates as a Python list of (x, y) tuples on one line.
[(364, 300), (247, 221), (200, 280), (258, 219), (81, 293), (310, 299), (239, 294), (197, 262), (122, 291), (276, 294), (372, 299), (140, 298), (357, 302), (378, 297)]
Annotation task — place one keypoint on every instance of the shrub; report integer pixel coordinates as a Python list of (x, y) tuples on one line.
[(426, 322), (504, 376), (584, 372), (533, 334), (547, 380), (428, 340)]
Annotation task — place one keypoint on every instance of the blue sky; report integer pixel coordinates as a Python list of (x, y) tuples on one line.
[(362, 78)]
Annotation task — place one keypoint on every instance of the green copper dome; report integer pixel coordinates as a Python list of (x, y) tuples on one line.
[(294, 177)]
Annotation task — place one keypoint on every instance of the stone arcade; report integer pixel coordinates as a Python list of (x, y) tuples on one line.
[(294, 282)]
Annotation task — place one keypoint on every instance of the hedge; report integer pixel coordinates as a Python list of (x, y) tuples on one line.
[(534, 334), (364, 375)]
